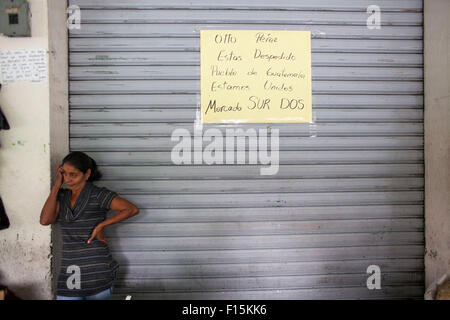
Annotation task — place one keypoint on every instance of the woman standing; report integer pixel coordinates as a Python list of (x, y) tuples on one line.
[(87, 267)]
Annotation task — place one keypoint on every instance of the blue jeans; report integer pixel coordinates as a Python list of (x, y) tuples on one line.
[(104, 295)]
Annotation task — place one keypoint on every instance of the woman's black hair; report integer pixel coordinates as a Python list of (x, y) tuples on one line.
[(83, 162)]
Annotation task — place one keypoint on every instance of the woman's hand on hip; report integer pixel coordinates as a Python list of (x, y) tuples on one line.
[(98, 234)]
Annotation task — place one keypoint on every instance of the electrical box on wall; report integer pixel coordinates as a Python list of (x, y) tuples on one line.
[(14, 18)]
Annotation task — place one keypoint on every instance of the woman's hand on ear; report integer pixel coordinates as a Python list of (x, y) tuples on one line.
[(59, 177)]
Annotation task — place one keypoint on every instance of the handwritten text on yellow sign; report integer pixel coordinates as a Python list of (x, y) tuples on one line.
[(255, 76)]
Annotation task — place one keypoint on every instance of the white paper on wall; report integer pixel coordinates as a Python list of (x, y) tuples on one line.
[(23, 65)]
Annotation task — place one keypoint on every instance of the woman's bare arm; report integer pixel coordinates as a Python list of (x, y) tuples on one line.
[(126, 210), (50, 210)]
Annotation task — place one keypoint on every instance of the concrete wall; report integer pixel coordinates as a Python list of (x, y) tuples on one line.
[(437, 138), (59, 106), (32, 109)]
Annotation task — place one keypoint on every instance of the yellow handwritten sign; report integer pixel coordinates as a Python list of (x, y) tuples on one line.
[(255, 76)]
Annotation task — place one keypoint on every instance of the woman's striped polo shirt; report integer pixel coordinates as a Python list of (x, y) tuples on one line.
[(97, 268)]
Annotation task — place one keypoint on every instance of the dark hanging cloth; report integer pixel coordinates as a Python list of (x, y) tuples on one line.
[(4, 221), (3, 122), (4, 125)]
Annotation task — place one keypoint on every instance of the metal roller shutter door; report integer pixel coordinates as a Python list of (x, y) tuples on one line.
[(349, 197)]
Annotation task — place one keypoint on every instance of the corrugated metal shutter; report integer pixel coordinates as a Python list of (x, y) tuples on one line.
[(349, 197)]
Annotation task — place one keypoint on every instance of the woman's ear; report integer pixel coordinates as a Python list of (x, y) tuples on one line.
[(88, 174)]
